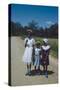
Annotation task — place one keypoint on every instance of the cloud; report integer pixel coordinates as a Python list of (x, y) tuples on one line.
[(49, 22)]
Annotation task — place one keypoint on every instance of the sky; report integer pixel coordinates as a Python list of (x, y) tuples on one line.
[(43, 15)]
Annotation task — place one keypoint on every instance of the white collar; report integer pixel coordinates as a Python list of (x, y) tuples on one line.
[(46, 47)]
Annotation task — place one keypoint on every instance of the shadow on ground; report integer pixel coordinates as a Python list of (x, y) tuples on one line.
[(37, 72)]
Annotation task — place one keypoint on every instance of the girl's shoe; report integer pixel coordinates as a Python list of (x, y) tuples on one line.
[(38, 73), (27, 73)]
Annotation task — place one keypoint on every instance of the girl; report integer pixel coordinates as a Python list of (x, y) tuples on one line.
[(37, 57), (45, 56), (27, 57)]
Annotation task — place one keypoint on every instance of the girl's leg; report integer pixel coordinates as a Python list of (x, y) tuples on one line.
[(30, 66), (27, 66), (30, 69), (35, 63), (35, 68), (38, 63), (39, 68), (44, 68), (46, 73), (27, 69)]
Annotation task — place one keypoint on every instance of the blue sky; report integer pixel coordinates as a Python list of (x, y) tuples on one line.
[(44, 15)]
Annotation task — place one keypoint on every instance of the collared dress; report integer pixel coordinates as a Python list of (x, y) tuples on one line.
[(37, 57), (27, 57), (45, 54)]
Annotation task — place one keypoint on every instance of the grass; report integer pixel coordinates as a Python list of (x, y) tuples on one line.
[(54, 47)]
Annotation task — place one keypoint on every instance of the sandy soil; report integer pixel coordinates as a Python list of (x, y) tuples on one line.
[(18, 68)]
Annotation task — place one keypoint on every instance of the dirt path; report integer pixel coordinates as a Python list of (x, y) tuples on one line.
[(18, 68)]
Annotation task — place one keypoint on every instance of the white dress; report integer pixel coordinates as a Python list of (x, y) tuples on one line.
[(27, 57), (37, 57)]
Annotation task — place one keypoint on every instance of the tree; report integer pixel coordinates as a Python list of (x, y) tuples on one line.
[(33, 25), (54, 30)]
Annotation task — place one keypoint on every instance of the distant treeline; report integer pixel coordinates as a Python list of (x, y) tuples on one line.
[(16, 29)]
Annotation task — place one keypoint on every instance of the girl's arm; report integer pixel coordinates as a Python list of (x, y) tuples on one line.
[(26, 43)]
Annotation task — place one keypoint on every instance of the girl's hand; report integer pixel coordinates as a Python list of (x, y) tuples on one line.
[(26, 43)]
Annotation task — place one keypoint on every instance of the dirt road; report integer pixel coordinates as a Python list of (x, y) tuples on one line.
[(18, 68)]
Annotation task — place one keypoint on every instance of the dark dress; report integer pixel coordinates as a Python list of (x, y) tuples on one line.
[(45, 57)]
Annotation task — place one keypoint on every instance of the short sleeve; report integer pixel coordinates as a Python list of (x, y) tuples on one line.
[(48, 47), (42, 47), (33, 41)]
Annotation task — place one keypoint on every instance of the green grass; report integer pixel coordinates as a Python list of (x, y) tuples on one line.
[(53, 43), (54, 47)]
